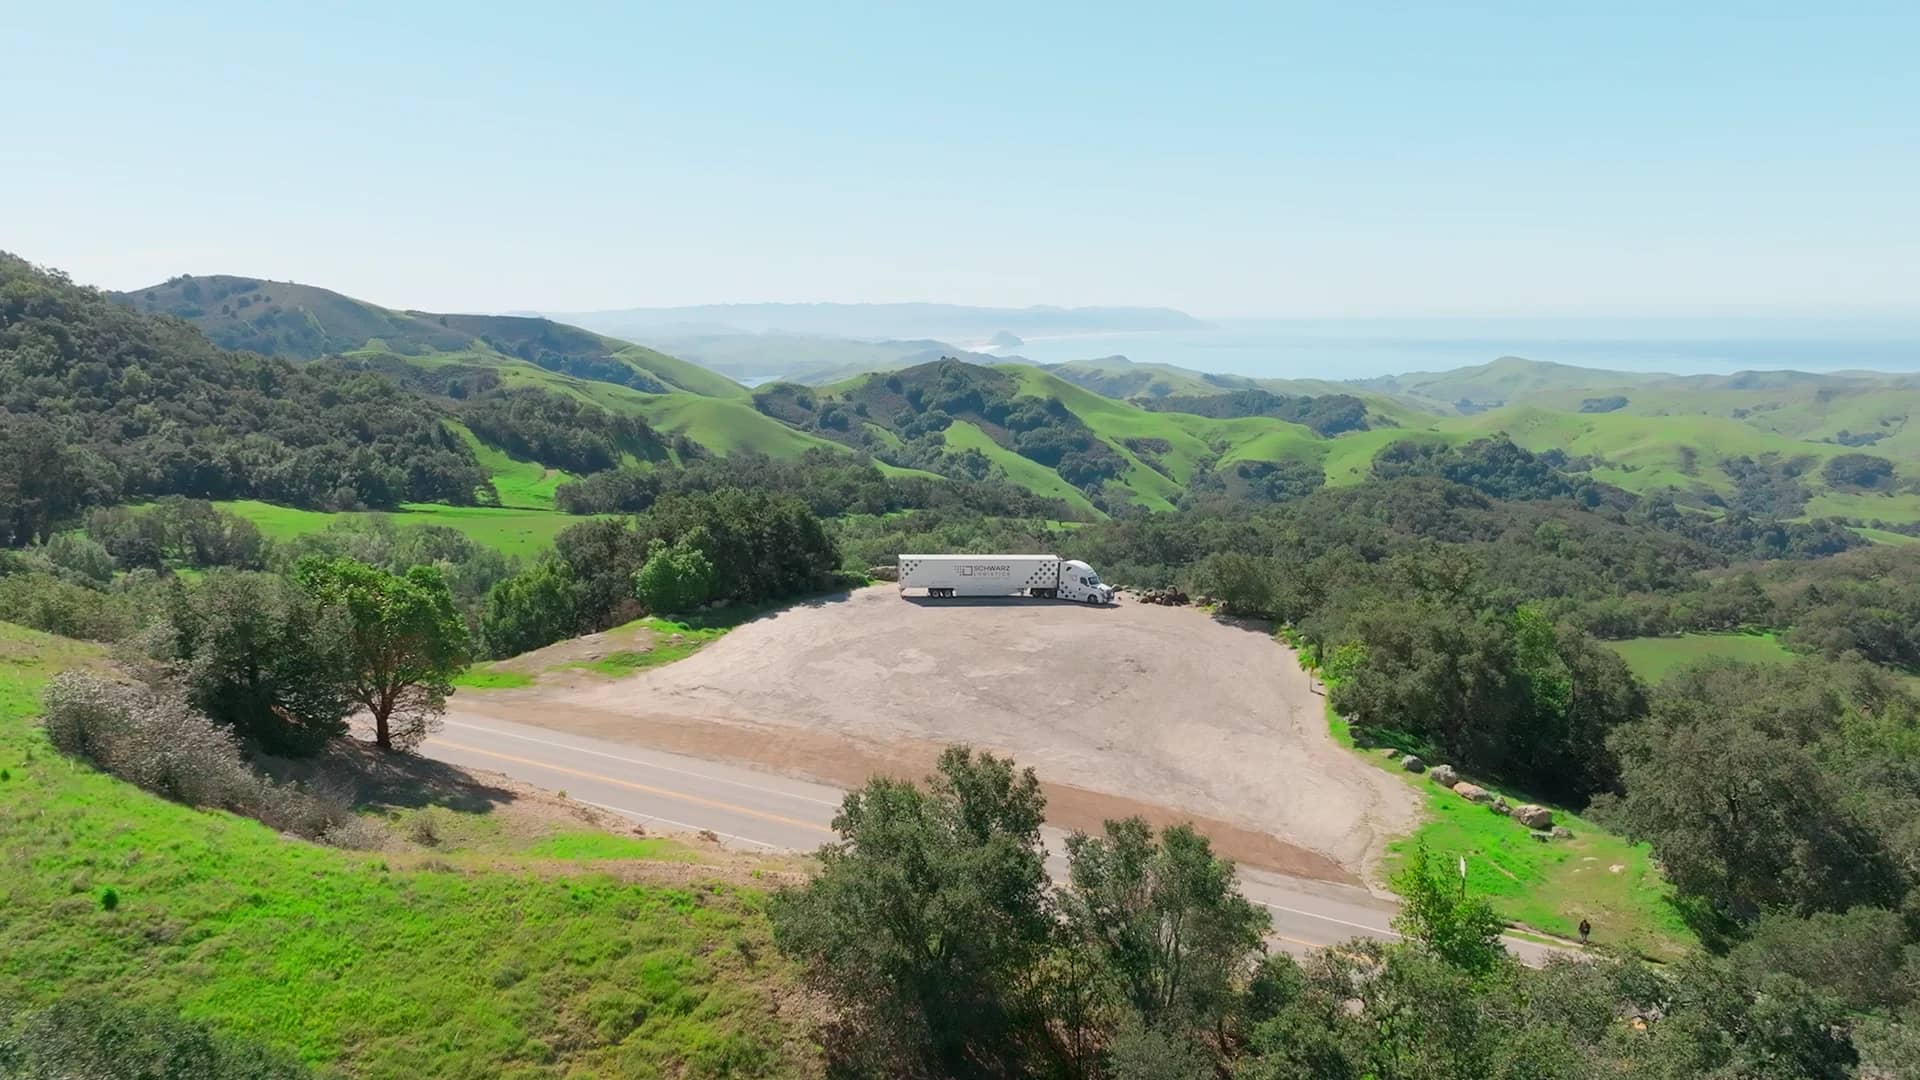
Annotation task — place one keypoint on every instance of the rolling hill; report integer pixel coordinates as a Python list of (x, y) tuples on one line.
[(806, 358), (1102, 434), (305, 322)]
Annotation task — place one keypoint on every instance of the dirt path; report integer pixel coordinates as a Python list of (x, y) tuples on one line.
[(1163, 712)]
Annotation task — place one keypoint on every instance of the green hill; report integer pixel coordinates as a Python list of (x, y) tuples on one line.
[(1508, 379), (1107, 433), (496, 948), (1119, 377), (304, 322), (1040, 430)]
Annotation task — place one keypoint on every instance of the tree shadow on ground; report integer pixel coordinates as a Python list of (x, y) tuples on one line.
[(374, 779)]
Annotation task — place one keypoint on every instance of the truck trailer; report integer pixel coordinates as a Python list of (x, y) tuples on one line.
[(1046, 576)]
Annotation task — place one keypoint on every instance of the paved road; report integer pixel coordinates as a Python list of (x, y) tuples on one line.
[(755, 810)]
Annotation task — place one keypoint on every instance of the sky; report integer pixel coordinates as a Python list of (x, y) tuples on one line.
[(1259, 159)]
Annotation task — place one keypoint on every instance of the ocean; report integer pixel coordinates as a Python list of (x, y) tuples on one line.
[(1363, 348)]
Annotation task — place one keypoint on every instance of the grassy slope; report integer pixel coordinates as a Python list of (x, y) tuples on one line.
[(719, 424), (1507, 379), (1645, 445), (688, 376), (522, 485), (521, 533), (520, 965), (1881, 536), (1546, 886), (655, 641), (964, 435), (1654, 658)]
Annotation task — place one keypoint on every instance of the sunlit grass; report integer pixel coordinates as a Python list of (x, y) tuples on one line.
[(379, 964)]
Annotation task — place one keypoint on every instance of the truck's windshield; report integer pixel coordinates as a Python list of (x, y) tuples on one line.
[(1093, 579)]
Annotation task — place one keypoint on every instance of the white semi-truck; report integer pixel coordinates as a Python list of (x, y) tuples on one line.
[(1048, 576)]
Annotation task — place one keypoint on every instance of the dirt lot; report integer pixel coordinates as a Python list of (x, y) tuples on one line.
[(1133, 708)]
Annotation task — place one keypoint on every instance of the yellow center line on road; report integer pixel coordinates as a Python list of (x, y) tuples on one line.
[(648, 788)]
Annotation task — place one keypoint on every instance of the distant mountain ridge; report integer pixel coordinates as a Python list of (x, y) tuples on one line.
[(954, 322), (306, 322), (810, 359)]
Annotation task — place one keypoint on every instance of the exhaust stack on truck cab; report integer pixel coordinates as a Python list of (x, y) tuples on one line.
[(1044, 576)]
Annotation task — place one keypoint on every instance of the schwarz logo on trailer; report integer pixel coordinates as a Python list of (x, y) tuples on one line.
[(985, 570)]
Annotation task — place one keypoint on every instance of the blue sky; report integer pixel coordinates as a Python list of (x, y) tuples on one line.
[(1258, 159)]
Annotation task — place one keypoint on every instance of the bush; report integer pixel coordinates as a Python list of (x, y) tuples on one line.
[(675, 579), (535, 607), (81, 557), (101, 1039), (45, 602), (147, 738), (150, 737)]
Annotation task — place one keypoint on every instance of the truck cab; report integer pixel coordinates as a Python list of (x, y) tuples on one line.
[(1078, 581)]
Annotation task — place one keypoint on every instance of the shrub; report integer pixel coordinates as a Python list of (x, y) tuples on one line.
[(675, 579), (147, 738), (102, 1039), (45, 602), (152, 738)]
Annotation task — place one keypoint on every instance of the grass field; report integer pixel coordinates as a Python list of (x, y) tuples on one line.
[(1035, 477), (521, 485), (516, 961), (1546, 886), (1654, 658), (1882, 536), (521, 533), (636, 646), (484, 676)]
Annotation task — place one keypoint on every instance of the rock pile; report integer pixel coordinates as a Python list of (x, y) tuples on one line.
[(1168, 597), (884, 573), (1538, 819)]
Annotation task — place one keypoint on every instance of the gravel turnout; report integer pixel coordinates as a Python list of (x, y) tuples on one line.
[(1130, 708)]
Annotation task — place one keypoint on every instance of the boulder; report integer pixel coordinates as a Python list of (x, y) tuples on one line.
[(1561, 832), (1389, 752), (1444, 775), (1472, 792), (1533, 817), (884, 573), (1412, 763), (1169, 597), (1500, 806)]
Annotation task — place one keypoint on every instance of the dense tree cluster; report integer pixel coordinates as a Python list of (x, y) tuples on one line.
[(1768, 487), (99, 404), (1858, 472), (1778, 788), (918, 404), (174, 532), (1493, 466), (831, 484), (1256, 481), (933, 929), (558, 431), (738, 546), (1327, 414)]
